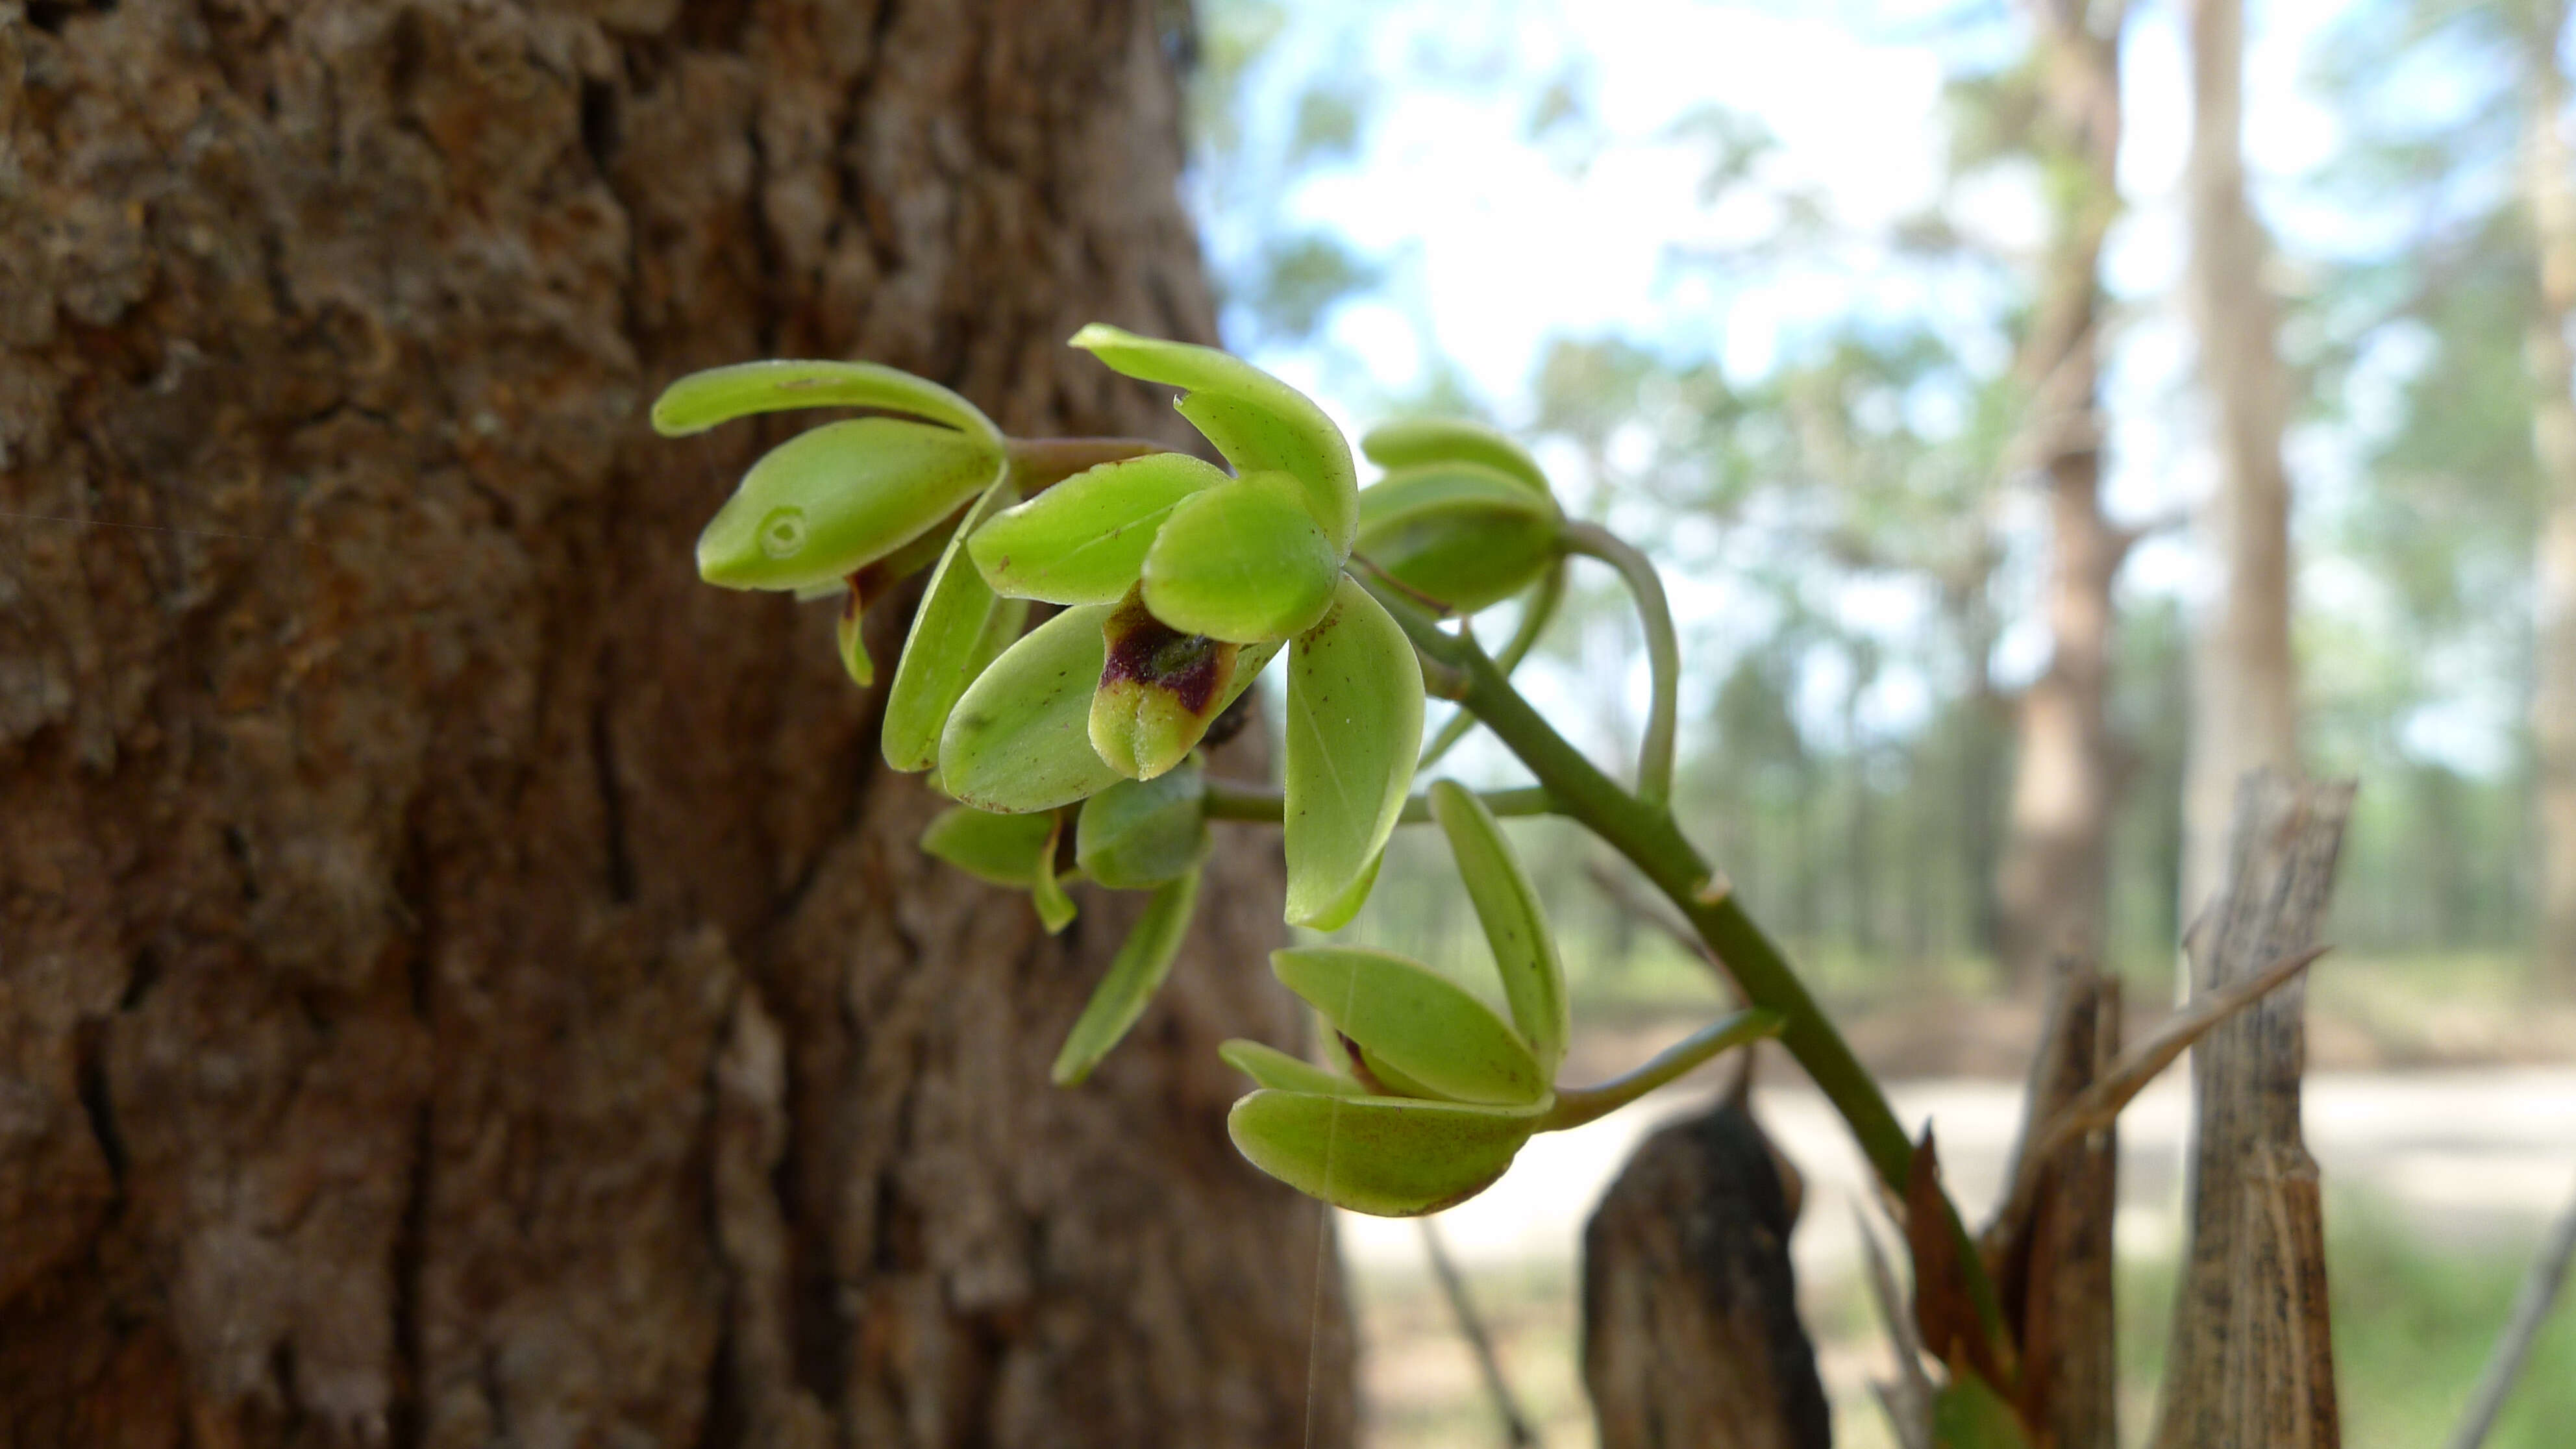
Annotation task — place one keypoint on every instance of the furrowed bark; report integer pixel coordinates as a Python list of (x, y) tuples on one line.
[(2052, 1261), (2251, 1359), (462, 980)]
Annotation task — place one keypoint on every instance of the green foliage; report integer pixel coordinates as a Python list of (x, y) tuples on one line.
[(1177, 584)]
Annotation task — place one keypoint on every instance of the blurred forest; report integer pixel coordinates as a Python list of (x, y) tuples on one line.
[(1841, 415)]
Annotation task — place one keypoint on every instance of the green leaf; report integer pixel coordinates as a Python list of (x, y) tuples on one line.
[(1142, 963), (1003, 849), (826, 502), (1460, 533), (1968, 1414), (944, 650), (1019, 739), (1159, 691), (1137, 834), (1084, 540), (1386, 1156), (1354, 728), (1515, 926), (1268, 1066), (1415, 442), (1413, 1019), (701, 400), (1258, 422), (1241, 562)]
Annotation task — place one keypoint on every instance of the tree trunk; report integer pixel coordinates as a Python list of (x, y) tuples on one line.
[(466, 982), (2245, 703), (2052, 888), (2551, 203)]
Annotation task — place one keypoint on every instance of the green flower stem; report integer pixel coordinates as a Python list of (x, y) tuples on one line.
[(1535, 616), (1038, 464), (1646, 835), (1228, 800), (1663, 651), (1578, 1105)]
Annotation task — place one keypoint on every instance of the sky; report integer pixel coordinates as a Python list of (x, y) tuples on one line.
[(1493, 240)]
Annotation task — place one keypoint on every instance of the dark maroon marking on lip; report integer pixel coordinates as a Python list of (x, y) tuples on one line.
[(1145, 650)]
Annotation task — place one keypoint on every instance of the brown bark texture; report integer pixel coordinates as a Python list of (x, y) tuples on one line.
[(2550, 202), (1691, 1336), (2245, 686), (462, 981), (2052, 888), (2051, 1260), (2251, 1359)]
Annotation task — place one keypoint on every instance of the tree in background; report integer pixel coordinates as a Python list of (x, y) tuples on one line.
[(2549, 210), (2445, 355), (2053, 885), (463, 981), (2245, 707)]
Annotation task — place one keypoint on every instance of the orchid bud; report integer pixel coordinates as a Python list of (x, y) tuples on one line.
[(1411, 1018), (827, 502), (1458, 533), (1387, 1156)]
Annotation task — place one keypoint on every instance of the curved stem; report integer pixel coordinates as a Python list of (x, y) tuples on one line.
[(1038, 464), (1663, 652), (1535, 618), (1578, 1105), (1229, 800), (1646, 835)]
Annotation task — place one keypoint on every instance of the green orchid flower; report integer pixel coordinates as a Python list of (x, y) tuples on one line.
[(1433, 1092), (1193, 578)]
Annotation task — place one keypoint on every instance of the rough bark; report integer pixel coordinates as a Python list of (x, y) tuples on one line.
[(2052, 888), (1691, 1338), (463, 982), (2245, 702), (2251, 1359), (2052, 1259), (2550, 202)]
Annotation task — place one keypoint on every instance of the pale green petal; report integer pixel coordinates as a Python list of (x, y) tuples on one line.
[(1459, 533), (1142, 963), (1138, 834), (944, 650), (827, 502), (1268, 1066), (1020, 737), (1258, 422), (1084, 540), (1418, 441), (720, 394), (1003, 849), (1507, 904), (1386, 1156), (1241, 562), (1411, 1018), (1354, 730)]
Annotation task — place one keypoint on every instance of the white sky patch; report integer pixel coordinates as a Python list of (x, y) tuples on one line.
[(1496, 244)]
